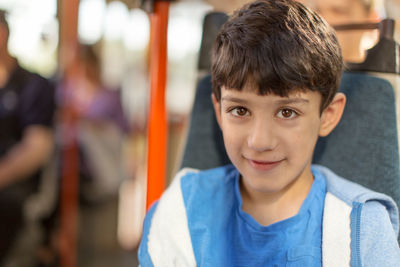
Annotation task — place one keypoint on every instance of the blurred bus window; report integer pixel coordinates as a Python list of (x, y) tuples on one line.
[(91, 18), (34, 33), (184, 38)]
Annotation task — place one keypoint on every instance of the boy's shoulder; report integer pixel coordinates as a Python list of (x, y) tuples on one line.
[(203, 191), (194, 200), (373, 219), (345, 194), (195, 189), (348, 191)]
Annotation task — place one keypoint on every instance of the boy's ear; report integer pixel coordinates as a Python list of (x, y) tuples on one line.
[(217, 108), (332, 114)]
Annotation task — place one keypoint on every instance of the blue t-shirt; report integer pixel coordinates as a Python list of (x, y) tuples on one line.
[(296, 241)]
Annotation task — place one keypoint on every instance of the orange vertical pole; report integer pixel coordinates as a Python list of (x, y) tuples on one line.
[(157, 126), (68, 16)]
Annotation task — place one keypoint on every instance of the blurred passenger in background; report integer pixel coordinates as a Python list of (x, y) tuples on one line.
[(337, 12), (227, 6), (101, 130), (26, 137), (392, 8)]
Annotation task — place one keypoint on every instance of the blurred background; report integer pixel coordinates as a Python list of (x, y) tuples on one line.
[(102, 96)]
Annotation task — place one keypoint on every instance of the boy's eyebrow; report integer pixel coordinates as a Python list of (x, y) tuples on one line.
[(297, 100), (233, 99), (285, 101)]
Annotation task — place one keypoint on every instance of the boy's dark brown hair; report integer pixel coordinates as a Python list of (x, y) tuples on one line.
[(277, 46)]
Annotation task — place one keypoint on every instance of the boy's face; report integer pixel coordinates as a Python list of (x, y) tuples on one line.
[(271, 139)]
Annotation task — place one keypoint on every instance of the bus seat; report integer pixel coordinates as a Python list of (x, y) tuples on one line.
[(212, 22)]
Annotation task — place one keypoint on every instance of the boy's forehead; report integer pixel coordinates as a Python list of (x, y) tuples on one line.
[(299, 97)]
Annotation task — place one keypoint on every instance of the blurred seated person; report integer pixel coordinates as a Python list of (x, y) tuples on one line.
[(101, 129), (26, 137), (226, 6), (337, 12)]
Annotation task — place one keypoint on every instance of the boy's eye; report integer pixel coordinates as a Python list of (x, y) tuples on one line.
[(239, 111), (287, 113)]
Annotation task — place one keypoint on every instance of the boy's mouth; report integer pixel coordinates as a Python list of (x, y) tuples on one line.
[(264, 165)]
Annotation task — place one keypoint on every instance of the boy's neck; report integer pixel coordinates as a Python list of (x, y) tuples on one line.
[(269, 208)]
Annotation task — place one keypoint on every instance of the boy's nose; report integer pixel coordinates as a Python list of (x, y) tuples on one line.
[(261, 136)]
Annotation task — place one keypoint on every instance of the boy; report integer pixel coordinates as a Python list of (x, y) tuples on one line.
[(275, 71)]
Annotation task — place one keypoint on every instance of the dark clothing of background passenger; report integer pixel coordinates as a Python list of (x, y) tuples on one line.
[(26, 100)]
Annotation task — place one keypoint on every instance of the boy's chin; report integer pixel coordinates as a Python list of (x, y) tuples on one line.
[(274, 180)]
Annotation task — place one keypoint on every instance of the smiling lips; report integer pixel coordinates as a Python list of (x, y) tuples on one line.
[(264, 165)]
